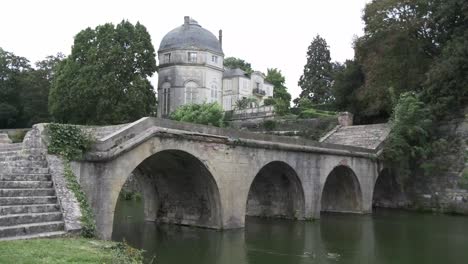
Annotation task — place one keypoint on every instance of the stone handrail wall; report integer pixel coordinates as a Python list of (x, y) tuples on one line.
[(150, 126)]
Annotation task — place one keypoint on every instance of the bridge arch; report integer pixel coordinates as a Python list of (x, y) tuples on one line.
[(178, 188), (276, 191), (341, 191), (388, 191)]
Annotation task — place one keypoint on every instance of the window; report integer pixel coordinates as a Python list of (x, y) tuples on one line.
[(214, 93), (167, 58), (191, 93), (258, 85), (192, 57), (214, 59), (166, 98)]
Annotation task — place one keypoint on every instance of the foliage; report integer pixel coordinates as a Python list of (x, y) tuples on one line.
[(105, 78), (234, 63), (130, 195), (88, 226), (269, 125), (17, 136), (281, 97), (69, 141), (316, 80), (409, 140), (347, 79), (24, 90), (205, 114), (246, 102), (123, 253)]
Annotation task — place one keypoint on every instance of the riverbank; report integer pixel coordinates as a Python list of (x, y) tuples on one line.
[(67, 250)]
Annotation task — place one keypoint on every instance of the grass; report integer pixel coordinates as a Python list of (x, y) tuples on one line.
[(57, 250)]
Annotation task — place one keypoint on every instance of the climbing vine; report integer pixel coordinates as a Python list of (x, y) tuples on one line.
[(71, 142), (88, 226), (68, 141)]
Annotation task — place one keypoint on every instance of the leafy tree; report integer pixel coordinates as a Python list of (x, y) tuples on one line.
[(317, 79), (347, 79), (233, 63), (36, 94), (105, 78), (205, 114), (281, 96), (410, 138), (13, 70)]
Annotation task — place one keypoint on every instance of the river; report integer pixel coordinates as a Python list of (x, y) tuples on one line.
[(385, 237)]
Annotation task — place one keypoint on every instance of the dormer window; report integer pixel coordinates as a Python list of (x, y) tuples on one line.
[(192, 57), (214, 59), (167, 58)]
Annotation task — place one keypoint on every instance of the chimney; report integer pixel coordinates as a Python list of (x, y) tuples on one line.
[(221, 38), (345, 119), (186, 20)]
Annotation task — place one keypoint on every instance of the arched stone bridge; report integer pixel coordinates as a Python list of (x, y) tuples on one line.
[(210, 177)]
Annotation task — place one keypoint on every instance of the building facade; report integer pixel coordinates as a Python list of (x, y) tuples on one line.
[(191, 71)]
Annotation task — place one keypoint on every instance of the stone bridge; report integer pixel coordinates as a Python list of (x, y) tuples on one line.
[(211, 177)]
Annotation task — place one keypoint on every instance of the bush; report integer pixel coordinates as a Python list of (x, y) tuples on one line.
[(68, 141), (205, 114), (313, 113), (17, 136), (123, 253), (269, 125)]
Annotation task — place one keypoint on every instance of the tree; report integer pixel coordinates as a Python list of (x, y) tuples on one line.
[(205, 114), (317, 79), (13, 70), (36, 94), (347, 79), (233, 63), (105, 78), (281, 96)]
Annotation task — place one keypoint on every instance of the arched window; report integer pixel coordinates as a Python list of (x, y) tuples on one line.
[(166, 98), (191, 92)]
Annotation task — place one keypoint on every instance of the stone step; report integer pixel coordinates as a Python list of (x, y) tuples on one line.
[(34, 236), (24, 163), (31, 229), (28, 200), (25, 184), (28, 209), (19, 219), (21, 157), (26, 192), (29, 151), (7, 147), (25, 170), (25, 177)]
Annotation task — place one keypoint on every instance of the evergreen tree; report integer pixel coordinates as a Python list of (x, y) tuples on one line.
[(317, 79), (105, 78)]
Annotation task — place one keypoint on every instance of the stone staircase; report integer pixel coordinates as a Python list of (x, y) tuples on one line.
[(28, 202), (366, 136)]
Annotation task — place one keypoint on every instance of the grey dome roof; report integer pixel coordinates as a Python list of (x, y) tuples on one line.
[(190, 36)]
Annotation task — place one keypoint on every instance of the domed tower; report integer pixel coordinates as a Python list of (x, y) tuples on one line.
[(190, 67)]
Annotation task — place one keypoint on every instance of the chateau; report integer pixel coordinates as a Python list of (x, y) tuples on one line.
[(191, 71)]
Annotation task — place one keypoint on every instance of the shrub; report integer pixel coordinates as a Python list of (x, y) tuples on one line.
[(68, 141), (269, 125), (205, 114)]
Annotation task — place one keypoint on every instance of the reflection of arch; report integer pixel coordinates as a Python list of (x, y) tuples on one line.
[(276, 191), (178, 188), (388, 192), (191, 89), (341, 191)]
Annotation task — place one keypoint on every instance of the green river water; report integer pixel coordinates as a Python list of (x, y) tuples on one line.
[(386, 236)]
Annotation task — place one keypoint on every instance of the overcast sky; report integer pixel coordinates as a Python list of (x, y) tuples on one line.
[(268, 34)]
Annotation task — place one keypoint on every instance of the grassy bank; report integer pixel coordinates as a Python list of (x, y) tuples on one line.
[(66, 250)]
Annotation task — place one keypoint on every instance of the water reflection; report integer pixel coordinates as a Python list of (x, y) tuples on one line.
[(385, 237)]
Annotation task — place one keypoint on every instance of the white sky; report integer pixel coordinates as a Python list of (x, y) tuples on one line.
[(268, 34)]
